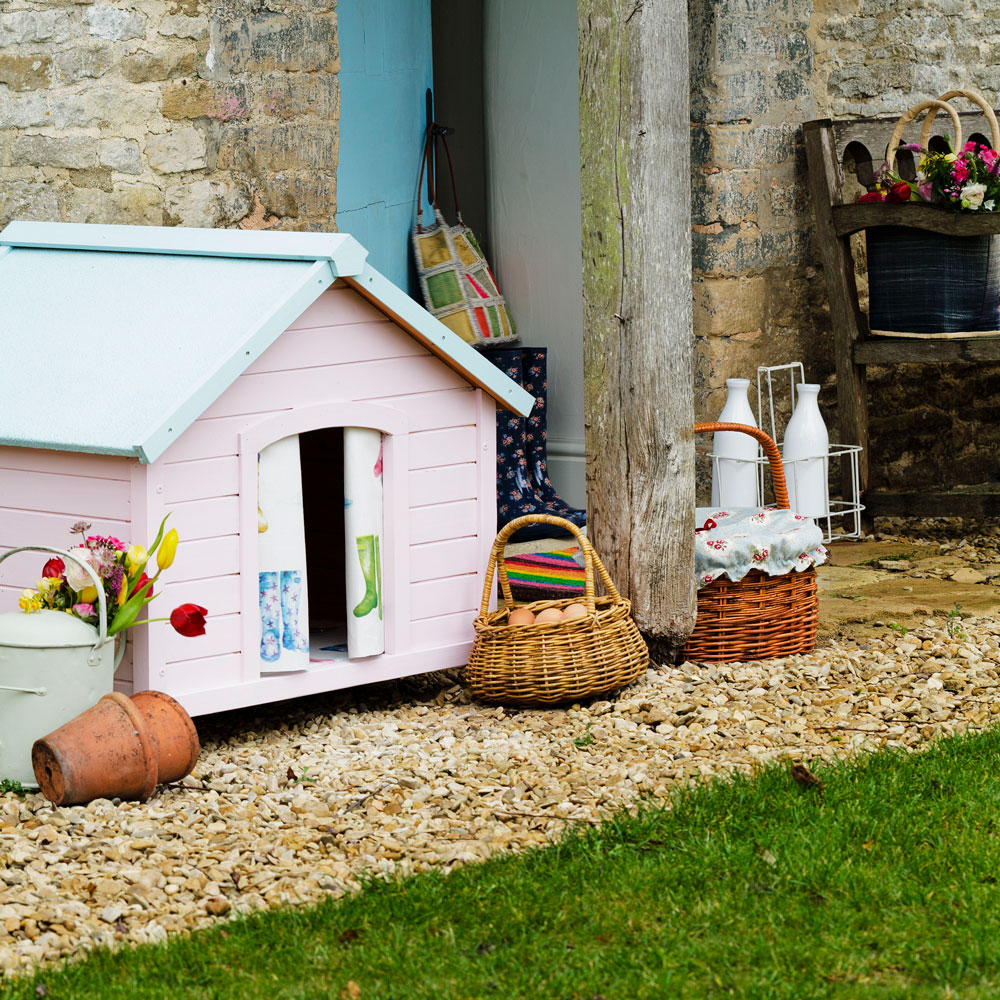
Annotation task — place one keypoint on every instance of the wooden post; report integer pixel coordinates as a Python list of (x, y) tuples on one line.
[(638, 376)]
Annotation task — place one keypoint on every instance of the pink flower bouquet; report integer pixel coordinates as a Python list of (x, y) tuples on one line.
[(966, 181)]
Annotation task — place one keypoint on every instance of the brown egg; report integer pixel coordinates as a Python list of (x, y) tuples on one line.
[(520, 616), (575, 611), (548, 615)]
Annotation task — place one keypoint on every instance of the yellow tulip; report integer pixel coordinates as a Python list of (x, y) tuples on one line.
[(168, 548), (88, 595), (135, 558)]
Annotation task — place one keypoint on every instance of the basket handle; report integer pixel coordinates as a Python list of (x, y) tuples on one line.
[(897, 132), (770, 449), (590, 561), (976, 98)]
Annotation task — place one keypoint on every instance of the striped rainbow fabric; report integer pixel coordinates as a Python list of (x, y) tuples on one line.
[(538, 575)]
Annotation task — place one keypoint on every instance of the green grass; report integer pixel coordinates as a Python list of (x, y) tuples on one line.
[(881, 882)]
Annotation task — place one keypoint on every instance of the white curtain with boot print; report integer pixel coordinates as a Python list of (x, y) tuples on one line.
[(281, 552), (363, 541)]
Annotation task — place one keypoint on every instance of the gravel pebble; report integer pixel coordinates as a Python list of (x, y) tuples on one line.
[(292, 803)]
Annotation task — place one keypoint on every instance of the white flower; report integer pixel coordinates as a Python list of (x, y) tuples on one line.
[(76, 576), (972, 195), (989, 205)]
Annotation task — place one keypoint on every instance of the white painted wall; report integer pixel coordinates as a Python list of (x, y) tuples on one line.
[(531, 95)]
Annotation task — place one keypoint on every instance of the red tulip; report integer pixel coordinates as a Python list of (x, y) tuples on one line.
[(899, 192), (54, 568), (189, 619), (872, 196), (140, 584)]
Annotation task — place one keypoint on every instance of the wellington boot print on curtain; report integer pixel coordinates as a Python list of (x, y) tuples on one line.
[(368, 557)]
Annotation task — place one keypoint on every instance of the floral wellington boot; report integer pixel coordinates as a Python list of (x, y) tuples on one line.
[(292, 635), (270, 612)]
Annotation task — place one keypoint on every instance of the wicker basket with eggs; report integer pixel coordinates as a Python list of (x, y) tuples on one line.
[(550, 652)]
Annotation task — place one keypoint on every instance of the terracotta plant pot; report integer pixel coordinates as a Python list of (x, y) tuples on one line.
[(116, 749), (174, 732)]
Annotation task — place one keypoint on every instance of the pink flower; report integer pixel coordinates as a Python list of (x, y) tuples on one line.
[(107, 541), (84, 610), (926, 190), (960, 171), (970, 147)]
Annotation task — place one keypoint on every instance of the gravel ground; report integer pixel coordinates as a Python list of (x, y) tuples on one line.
[(290, 803)]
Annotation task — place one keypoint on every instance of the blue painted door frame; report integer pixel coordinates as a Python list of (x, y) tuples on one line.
[(386, 64)]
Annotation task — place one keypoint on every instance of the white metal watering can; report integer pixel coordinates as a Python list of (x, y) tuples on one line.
[(53, 666)]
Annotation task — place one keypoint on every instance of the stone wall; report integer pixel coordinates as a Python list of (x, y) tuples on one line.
[(759, 68), (173, 112)]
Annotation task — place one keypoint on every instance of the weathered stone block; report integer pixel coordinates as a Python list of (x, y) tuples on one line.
[(274, 148), (23, 27), (206, 203), (743, 95), (25, 72), (291, 43), (113, 23), (83, 62), (175, 151), (181, 26), (724, 306), (73, 152), (98, 106), (159, 64), (744, 146), (289, 95), (305, 199), (748, 41), (122, 155), (24, 110), (137, 204), (189, 99), (726, 196), (28, 200)]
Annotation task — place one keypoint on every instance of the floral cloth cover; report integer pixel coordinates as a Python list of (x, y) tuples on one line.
[(732, 542)]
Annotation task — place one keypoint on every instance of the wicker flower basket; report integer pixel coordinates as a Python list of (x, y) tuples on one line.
[(759, 617), (553, 662)]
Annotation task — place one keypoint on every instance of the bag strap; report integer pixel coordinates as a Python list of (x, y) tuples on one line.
[(435, 131)]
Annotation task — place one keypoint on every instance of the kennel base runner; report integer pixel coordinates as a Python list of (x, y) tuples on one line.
[(215, 344)]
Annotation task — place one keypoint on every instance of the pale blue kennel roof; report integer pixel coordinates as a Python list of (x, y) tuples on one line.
[(115, 339)]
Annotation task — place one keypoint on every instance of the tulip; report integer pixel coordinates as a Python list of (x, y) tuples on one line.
[(84, 610), (144, 585), (168, 548), (872, 196), (899, 192), (189, 619), (135, 558), (88, 595), (54, 568)]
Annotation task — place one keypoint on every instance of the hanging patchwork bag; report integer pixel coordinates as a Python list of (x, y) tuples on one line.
[(455, 279)]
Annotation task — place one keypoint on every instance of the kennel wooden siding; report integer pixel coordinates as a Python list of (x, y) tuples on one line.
[(349, 349)]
